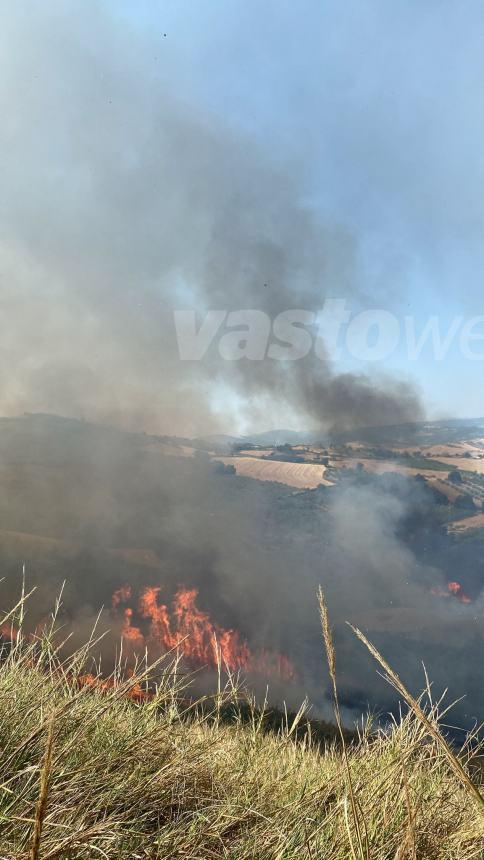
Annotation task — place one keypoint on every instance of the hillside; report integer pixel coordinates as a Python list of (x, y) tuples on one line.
[(221, 552)]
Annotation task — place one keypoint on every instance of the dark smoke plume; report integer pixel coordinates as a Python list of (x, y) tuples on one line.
[(119, 205)]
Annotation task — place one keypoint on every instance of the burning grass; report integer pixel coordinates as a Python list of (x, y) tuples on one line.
[(184, 627), (89, 770)]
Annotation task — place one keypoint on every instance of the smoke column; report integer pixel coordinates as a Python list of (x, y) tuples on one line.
[(119, 205)]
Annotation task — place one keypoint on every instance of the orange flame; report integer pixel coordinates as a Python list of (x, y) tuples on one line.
[(8, 632), (104, 685), (134, 692), (199, 639), (454, 589)]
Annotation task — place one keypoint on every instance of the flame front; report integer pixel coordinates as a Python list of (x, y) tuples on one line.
[(190, 630), (454, 589)]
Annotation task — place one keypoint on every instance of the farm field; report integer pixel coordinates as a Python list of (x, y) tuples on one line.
[(379, 467), (446, 449), (451, 491), (300, 475), (466, 465)]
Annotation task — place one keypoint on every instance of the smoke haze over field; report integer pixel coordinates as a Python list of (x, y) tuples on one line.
[(100, 508)]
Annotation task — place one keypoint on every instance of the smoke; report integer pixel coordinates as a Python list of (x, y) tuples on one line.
[(121, 204), (100, 508)]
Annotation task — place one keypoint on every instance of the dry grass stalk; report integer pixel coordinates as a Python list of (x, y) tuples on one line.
[(43, 793), (422, 716), (407, 849), (331, 655)]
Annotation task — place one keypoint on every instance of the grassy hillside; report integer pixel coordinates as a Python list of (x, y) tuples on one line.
[(91, 769)]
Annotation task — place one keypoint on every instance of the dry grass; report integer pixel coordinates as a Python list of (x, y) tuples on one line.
[(300, 475), (43, 792), (464, 464), (87, 774)]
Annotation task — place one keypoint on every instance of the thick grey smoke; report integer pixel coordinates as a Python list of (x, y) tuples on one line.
[(375, 579), (120, 204)]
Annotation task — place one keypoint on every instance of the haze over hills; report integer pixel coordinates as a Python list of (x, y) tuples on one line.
[(101, 508), (422, 432)]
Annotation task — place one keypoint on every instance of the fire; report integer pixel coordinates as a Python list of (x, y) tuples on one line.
[(182, 626), (121, 595), (105, 685), (134, 691), (185, 627), (8, 632), (454, 589)]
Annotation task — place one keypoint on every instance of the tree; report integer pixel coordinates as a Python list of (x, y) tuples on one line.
[(455, 477)]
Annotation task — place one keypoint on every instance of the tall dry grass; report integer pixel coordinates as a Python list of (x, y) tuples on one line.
[(85, 773)]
